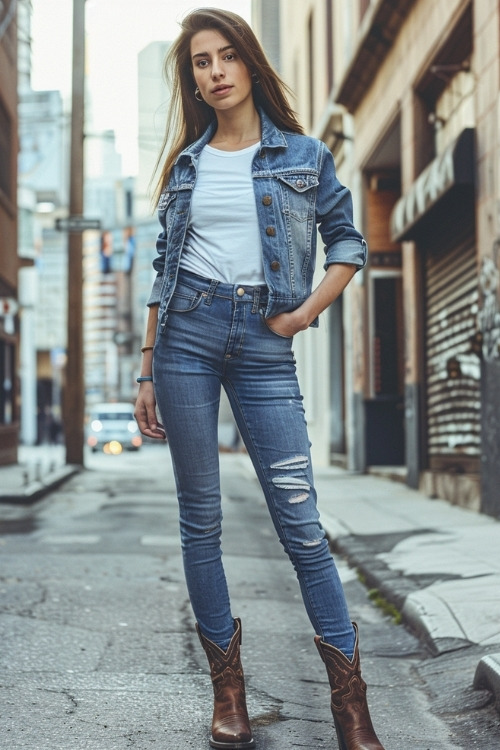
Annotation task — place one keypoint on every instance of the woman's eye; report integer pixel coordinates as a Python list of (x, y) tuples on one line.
[(202, 63), (230, 56)]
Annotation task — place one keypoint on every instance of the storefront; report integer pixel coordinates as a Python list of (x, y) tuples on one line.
[(438, 215)]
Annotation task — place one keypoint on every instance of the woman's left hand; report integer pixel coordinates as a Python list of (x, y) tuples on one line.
[(333, 283), (286, 324)]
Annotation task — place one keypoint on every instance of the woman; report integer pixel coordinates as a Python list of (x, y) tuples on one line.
[(240, 194)]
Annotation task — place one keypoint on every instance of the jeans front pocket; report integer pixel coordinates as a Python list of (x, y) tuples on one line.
[(271, 330), (184, 299)]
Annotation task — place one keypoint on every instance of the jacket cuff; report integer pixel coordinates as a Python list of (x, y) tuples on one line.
[(154, 297), (347, 252)]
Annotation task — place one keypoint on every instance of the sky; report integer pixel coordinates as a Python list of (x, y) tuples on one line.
[(116, 32)]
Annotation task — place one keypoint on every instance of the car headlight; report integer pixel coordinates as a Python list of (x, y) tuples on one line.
[(96, 425), (132, 426)]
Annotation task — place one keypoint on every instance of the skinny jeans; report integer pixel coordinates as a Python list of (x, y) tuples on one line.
[(215, 336)]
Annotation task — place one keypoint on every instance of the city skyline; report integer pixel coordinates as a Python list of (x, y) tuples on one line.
[(117, 30)]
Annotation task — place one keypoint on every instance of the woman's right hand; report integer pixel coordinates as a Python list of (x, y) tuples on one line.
[(145, 412)]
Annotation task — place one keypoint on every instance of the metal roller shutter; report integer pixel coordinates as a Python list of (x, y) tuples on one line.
[(452, 370)]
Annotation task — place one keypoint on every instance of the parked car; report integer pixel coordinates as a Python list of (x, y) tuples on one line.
[(112, 428)]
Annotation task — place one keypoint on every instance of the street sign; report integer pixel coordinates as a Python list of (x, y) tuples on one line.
[(77, 224)]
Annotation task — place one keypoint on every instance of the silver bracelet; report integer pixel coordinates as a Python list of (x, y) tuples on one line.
[(145, 378)]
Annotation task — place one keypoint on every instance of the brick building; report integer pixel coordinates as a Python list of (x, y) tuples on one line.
[(8, 233), (406, 94)]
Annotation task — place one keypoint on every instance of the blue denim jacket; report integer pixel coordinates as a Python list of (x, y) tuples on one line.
[(296, 190)]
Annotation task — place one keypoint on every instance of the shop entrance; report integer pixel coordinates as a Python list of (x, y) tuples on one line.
[(385, 435)]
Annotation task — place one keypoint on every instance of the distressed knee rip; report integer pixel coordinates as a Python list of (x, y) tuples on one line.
[(297, 462), (211, 529), (313, 543), (299, 498), (299, 487)]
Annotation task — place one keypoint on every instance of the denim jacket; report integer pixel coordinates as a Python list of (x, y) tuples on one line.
[(296, 190)]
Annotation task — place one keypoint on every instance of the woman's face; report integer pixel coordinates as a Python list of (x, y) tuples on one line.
[(222, 77)]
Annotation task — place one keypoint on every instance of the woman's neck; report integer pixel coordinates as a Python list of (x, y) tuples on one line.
[(236, 130)]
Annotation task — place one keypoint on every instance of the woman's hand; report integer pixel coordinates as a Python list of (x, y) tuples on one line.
[(287, 324), (332, 285), (145, 412)]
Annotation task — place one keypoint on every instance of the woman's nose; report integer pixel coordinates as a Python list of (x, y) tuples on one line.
[(217, 71)]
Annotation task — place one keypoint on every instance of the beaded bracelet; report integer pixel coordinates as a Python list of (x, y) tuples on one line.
[(145, 379)]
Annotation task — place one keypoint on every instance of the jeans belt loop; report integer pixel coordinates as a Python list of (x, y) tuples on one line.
[(211, 291), (256, 299)]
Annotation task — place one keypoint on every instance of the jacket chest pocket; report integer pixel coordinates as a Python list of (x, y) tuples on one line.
[(298, 194)]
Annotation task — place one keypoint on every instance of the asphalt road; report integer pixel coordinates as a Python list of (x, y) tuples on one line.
[(98, 644)]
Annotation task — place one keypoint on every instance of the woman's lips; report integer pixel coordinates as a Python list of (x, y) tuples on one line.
[(221, 90)]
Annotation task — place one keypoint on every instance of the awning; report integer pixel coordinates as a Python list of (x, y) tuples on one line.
[(452, 171)]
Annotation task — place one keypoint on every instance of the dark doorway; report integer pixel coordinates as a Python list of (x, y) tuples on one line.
[(385, 438)]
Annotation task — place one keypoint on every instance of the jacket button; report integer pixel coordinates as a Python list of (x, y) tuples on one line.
[(275, 265), (271, 231), (300, 183), (267, 200), (262, 153)]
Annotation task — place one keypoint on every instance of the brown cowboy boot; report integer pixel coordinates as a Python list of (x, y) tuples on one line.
[(349, 707), (230, 723)]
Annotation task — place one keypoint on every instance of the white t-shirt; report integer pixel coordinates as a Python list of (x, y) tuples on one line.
[(222, 239)]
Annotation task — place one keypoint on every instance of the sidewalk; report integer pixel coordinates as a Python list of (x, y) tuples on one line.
[(438, 564), (39, 470)]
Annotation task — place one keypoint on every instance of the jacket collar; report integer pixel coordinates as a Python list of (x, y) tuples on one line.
[(271, 137)]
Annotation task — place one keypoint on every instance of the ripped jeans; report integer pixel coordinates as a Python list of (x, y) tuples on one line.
[(216, 335)]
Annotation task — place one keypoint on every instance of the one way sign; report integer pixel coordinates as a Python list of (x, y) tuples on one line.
[(77, 224)]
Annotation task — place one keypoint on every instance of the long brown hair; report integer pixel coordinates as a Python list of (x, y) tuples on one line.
[(188, 118)]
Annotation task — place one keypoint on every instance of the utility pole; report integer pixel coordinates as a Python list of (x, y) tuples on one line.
[(74, 399)]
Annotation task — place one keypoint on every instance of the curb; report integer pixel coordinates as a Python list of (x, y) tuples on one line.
[(419, 612), (392, 585), (487, 676), (36, 490), (410, 599), (427, 616)]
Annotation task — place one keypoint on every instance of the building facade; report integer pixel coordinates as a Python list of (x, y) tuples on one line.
[(153, 102), (43, 188), (329, 359), (406, 95), (9, 260)]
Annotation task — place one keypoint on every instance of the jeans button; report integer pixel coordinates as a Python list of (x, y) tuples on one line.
[(240, 291)]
